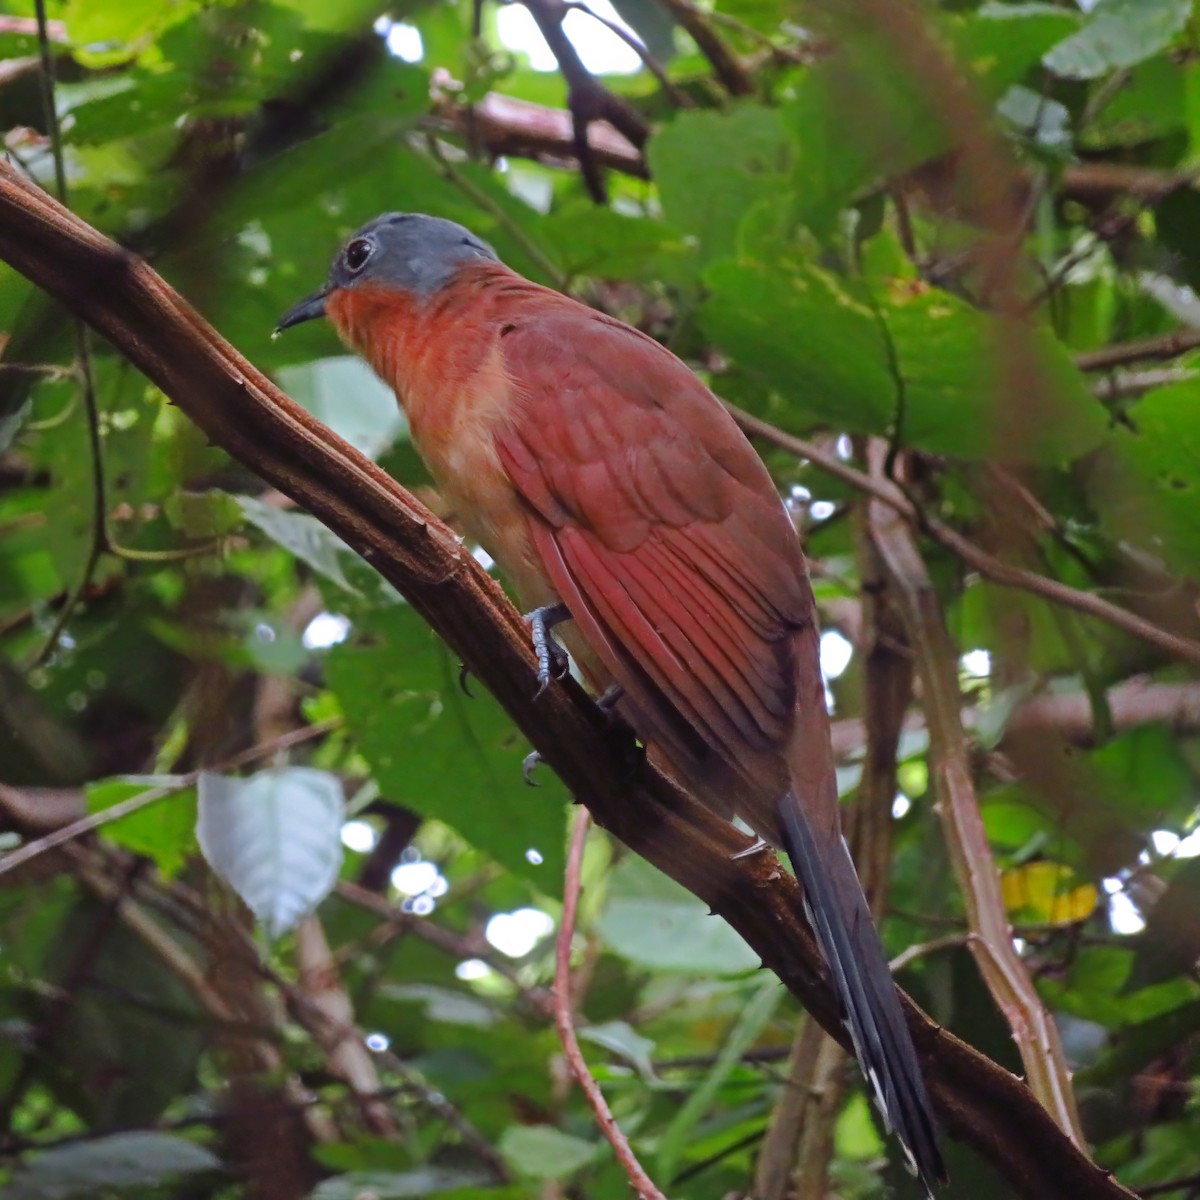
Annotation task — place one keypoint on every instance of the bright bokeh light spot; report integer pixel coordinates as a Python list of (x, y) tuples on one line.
[(836, 653), (325, 630), (977, 663), (603, 53), (359, 836), (404, 41), (1189, 847), (534, 856), (482, 557), (822, 510), (1165, 842), (901, 806), (414, 878), (516, 933), (1168, 844), (1019, 945), (378, 1042), (845, 447), (472, 968), (1123, 915)]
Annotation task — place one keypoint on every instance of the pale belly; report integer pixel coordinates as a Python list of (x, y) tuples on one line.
[(471, 480)]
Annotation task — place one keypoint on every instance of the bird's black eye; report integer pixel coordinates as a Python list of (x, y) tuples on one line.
[(356, 255)]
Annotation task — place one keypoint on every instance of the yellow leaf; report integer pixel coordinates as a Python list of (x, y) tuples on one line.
[(1041, 893)]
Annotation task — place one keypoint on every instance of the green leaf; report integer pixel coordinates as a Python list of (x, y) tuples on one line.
[(587, 240), (345, 394), (1147, 486), (438, 751), (1118, 33), (1000, 43), (163, 831), (750, 1023), (840, 361), (624, 1041), (651, 920), (756, 154), (129, 1042), (275, 838), (103, 33), (121, 1160), (835, 158), (302, 535), (833, 363), (441, 1003), (543, 1152), (204, 514)]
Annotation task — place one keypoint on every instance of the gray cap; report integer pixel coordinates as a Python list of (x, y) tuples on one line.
[(408, 251)]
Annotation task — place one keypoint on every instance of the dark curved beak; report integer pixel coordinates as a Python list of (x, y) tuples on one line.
[(309, 309)]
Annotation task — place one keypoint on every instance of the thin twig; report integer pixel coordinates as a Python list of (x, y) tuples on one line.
[(1182, 1183), (564, 1020), (733, 76), (1032, 1026), (98, 540), (347, 1056), (678, 97), (453, 944), (488, 205), (1152, 349), (949, 941), (31, 850)]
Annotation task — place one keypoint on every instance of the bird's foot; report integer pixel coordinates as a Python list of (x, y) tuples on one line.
[(751, 851), (553, 661), (605, 703)]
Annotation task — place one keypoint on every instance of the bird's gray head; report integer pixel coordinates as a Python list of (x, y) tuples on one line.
[(406, 251)]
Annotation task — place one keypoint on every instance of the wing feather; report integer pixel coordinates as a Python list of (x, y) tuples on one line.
[(659, 527)]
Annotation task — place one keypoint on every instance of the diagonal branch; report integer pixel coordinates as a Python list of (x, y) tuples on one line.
[(243, 412), (1032, 1026)]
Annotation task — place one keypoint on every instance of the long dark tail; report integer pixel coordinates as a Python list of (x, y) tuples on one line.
[(842, 922)]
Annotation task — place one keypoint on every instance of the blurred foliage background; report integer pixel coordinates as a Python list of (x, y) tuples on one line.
[(784, 199)]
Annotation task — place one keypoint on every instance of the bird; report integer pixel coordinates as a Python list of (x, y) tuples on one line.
[(634, 520)]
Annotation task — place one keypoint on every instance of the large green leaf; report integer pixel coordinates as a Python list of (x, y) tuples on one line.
[(651, 920), (543, 1152), (440, 752), (120, 1161), (164, 830), (913, 359), (1147, 487), (756, 152)]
